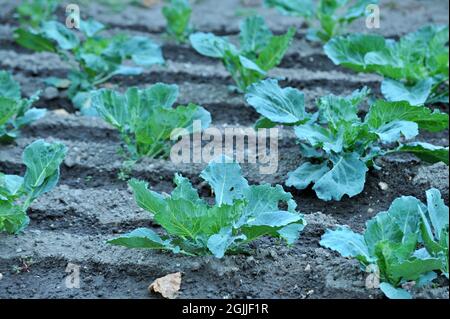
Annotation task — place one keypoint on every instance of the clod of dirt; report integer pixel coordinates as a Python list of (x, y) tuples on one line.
[(435, 175), (195, 266), (50, 93), (168, 286), (383, 186), (61, 112), (320, 219)]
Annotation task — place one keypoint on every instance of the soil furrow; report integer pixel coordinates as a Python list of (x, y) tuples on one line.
[(92, 202), (301, 54), (86, 160), (179, 72), (93, 166), (102, 266), (88, 211), (224, 17), (39, 248)]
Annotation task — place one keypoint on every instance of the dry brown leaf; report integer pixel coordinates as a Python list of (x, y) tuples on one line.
[(373, 281), (150, 3), (168, 286)]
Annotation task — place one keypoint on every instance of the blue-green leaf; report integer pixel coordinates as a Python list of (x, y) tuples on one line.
[(382, 228), (280, 105), (64, 37), (254, 35), (318, 136), (346, 242), (275, 50), (405, 211), (33, 41), (394, 131), (143, 51), (347, 177), (177, 14), (142, 238), (301, 8), (184, 190), (147, 199), (384, 112), (219, 243), (10, 186), (438, 211), (306, 174), (42, 161), (9, 88), (225, 179), (414, 268), (210, 45), (426, 152), (91, 27), (394, 293), (415, 95), (13, 218)]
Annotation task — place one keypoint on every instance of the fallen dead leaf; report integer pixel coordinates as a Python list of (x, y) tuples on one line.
[(372, 281), (150, 3), (168, 286)]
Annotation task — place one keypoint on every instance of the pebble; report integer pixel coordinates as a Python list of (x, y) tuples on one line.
[(195, 266), (383, 186), (61, 112), (50, 93), (1, 276), (308, 267), (370, 210)]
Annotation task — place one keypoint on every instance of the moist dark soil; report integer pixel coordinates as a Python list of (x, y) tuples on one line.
[(91, 204)]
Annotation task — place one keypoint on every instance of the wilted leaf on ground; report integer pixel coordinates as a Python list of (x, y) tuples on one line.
[(150, 3), (168, 286)]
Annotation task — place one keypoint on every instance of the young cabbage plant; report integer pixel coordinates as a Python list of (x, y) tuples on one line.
[(415, 68), (32, 12), (15, 111), (42, 161), (434, 229), (332, 16), (241, 214), (390, 247), (259, 52), (146, 118), (94, 59), (178, 15), (338, 146)]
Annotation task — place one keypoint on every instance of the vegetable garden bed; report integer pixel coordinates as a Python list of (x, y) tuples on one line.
[(91, 204)]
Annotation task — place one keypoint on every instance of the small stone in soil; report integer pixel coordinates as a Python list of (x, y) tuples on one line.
[(50, 93), (383, 186), (1, 276), (195, 266)]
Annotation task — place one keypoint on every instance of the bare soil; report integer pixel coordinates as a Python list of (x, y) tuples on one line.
[(91, 204)]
